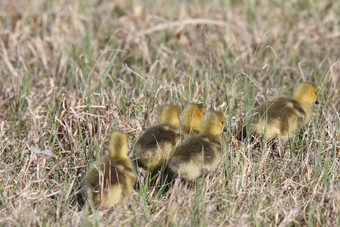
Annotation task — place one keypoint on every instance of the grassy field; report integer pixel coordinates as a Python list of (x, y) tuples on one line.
[(71, 71)]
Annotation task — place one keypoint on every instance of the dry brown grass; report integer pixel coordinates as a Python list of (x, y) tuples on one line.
[(70, 71)]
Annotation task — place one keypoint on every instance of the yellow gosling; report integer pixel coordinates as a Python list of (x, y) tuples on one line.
[(200, 153), (111, 178), (283, 116), (191, 118), (155, 145)]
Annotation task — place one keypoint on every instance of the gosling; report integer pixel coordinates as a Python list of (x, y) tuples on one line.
[(283, 116), (191, 118), (200, 153), (111, 178), (154, 147)]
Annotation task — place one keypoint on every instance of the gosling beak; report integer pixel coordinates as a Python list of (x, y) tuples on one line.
[(317, 102), (224, 129)]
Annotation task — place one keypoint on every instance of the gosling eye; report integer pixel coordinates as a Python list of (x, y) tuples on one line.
[(222, 122)]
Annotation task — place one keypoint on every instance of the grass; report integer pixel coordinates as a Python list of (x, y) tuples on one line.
[(70, 72)]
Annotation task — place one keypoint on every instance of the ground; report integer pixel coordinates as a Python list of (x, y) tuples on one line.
[(72, 71)]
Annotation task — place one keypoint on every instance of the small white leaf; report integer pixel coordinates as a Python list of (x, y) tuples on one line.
[(38, 151)]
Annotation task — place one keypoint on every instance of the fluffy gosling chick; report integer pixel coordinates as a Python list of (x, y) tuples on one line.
[(191, 118), (154, 147), (112, 177), (200, 153), (283, 116)]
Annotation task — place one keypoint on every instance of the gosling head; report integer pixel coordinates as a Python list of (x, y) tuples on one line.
[(170, 116), (118, 148), (306, 93), (192, 116), (212, 124)]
